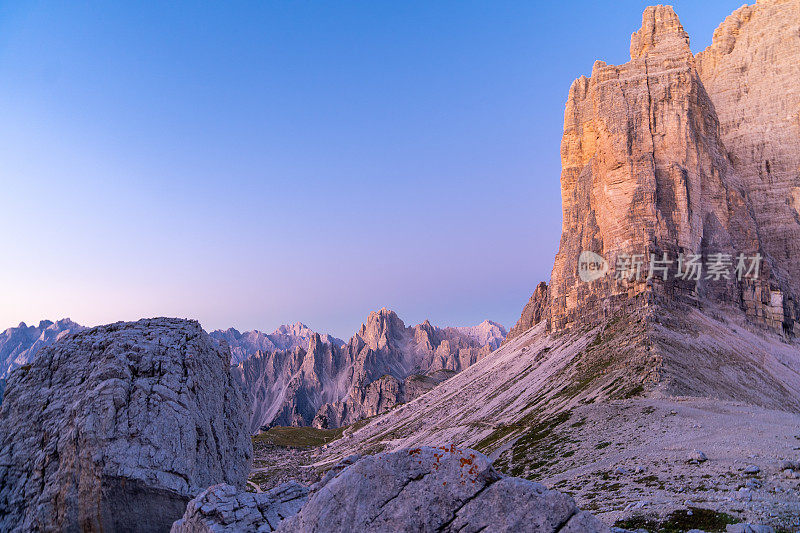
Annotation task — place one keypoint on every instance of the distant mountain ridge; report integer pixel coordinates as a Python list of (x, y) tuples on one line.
[(19, 345), (284, 338), (296, 376), (330, 385), (486, 333)]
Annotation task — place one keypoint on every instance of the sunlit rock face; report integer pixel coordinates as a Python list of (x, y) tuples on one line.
[(646, 169), (118, 427)]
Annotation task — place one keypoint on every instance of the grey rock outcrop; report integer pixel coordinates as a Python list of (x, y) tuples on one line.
[(118, 427), (224, 508), (435, 489), (19, 345), (337, 385)]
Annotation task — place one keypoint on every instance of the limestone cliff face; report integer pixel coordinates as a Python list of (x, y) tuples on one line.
[(645, 170)]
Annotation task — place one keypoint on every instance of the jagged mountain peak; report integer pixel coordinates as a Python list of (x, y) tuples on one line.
[(487, 332), (285, 338), (381, 329), (658, 162), (298, 329), (661, 32)]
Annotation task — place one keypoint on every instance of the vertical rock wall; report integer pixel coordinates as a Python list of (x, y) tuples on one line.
[(646, 170)]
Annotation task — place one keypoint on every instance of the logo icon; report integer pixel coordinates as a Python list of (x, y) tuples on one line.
[(591, 266)]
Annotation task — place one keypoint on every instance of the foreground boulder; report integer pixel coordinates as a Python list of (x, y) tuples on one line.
[(436, 489), (118, 427), (420, 489)]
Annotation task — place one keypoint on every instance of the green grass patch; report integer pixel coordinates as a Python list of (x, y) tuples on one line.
[(681, 521), (598, 340), (499, 434), (298, 437), (650, 481), (635, 391), (538, 447)]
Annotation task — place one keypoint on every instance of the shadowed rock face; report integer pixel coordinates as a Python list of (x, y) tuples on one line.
[(750, 72), (117, 427), (648, 168)]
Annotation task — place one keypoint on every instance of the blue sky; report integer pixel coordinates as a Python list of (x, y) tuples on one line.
[(251, 164)]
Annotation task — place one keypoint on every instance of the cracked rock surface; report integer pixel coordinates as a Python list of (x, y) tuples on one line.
[(118, 427)]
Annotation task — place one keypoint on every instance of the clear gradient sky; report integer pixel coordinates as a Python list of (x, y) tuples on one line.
[(252, 164)]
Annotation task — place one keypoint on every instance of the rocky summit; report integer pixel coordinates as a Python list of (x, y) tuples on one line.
[(117, 427)]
